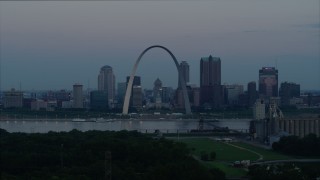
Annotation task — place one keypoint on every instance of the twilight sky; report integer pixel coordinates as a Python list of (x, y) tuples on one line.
[(54, 44)]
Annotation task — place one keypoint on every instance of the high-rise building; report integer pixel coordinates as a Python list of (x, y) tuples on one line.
[(121, 91), (157, 88), (210, 81), (77, 96), (268, 82), (106, 82), (210, 71), (135, 94), (288, 91), (167, 94), (232, 93), (136, 80), (252, 93), (137, 97), (195, 100), (13, 99), (184, 70), (98, 99)]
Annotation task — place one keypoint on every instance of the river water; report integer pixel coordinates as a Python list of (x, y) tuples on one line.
[(145, 126)]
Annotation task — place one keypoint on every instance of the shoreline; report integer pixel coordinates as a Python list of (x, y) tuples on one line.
[(111, 120)]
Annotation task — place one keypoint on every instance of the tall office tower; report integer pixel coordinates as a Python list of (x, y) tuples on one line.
[(98, 100), (268, 82), (288, 91), (252, 93), (121, 91), (167, 94), (210, 81), (184, 70), (137, 97), (13, 99), (136, 80), (232, 93), (106, 82), (193, 94), (136, 87), (77, 96), (195, 97), (157, 88)]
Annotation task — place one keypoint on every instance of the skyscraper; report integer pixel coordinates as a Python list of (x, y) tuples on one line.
[(13, 98), (77, 96), (121, 91), (184, 70), (210, 71), (136, 80), (136, 92), (288, 91), (98, 100), (252, 93), (210, 81), (106, 82), (137, 97), (157, 88), (268, 82), (232, 93)]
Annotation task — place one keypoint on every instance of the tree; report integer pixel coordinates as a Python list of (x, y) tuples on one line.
[(213, 155), (204, 156)]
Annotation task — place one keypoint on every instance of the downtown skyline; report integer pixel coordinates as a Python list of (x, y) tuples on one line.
[(66, 46)]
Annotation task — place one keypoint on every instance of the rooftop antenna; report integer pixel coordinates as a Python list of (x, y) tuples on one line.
[(20, 86), (276, 61)]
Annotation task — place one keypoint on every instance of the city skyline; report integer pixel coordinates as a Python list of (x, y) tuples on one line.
[(278, 34)]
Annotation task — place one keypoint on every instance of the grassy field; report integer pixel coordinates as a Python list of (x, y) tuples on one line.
[(223, 151), (267, 154), (226, 154)]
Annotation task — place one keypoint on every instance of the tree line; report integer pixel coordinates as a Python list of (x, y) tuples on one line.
[(293, 145), (97, 155)]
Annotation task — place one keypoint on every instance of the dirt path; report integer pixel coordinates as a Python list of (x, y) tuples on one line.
[(239, 147)]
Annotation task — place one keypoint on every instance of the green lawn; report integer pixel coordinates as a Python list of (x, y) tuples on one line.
[(267, 154), (227, 154), (223, 151)]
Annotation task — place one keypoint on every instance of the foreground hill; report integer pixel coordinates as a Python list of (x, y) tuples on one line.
[(97, 155)]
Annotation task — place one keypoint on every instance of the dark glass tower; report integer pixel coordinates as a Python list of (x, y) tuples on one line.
[(210, 81), (252, 93), (268, 82), (184, 69)]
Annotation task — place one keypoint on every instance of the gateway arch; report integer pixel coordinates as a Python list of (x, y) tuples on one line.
[(181, 81)]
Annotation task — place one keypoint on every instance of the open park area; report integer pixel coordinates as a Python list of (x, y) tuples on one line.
[(229, 152)]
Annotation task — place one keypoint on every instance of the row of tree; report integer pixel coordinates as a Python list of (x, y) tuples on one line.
[(288, 171), (97, 155), (293, 145)]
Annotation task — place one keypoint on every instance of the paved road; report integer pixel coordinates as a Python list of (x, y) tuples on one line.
[(286, 161)]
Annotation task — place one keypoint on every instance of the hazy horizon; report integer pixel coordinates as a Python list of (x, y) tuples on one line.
[(55, 44)]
